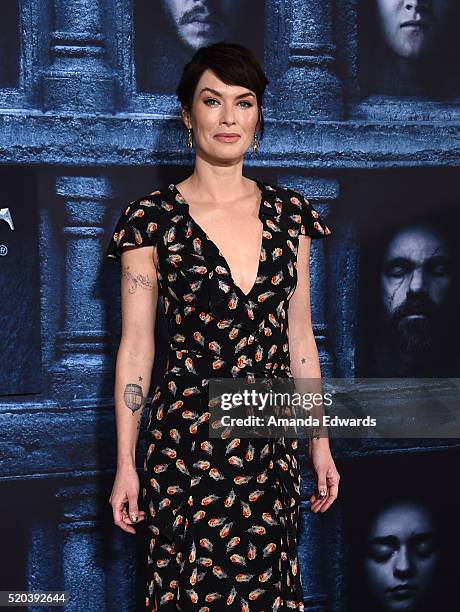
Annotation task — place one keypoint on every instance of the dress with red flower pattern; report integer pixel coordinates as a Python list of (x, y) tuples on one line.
[(222, 513)]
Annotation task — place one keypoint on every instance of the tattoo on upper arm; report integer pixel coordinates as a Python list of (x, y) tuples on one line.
[(140, 280), (134, 397)]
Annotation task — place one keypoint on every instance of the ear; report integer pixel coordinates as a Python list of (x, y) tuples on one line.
[(186, 117)]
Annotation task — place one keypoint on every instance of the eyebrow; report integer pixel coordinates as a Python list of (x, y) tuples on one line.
[(399, 260), (218, 93), (391, 539)]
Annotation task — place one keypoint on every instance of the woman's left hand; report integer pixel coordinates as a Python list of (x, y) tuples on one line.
[(327, 475)]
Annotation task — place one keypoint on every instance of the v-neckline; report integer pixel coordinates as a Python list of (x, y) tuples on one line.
[(245, 296)]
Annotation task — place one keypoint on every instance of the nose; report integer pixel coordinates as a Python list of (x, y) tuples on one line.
[(417, 5), (228, 114), (402, 565), (416, 280)]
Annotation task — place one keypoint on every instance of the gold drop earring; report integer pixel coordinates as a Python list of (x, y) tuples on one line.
[(255, 144), (189, 138)]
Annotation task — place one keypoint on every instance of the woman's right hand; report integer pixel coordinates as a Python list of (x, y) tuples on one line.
[(125, 492)]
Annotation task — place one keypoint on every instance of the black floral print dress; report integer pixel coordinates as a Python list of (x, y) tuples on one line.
[(222, 513)]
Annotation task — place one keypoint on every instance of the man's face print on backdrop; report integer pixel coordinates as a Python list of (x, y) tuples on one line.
[(198, 23), (416, 281)]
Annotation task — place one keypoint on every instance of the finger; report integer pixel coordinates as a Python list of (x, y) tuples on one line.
[(321, 495), (119, 522), (140, 517), (133, 510), (126, 528), (140, 513), (330, 500), (326, 506), (127, 514), (119, 512), (317, 501), (317, 505), (322, 484), (333, 491)]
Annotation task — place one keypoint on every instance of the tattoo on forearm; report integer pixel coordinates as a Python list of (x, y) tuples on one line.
[(303, 360), (134, 397), (140, 280)]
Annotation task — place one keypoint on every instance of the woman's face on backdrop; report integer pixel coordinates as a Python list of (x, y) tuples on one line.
[(402, 557), (414, 29), (223, 118)]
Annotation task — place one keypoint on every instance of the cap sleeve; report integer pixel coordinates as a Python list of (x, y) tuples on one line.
[(137, 227), (311, 222)]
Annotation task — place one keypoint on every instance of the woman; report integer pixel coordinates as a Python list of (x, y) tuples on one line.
[(221, 249)]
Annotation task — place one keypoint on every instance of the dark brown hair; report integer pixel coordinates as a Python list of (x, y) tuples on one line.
[(234, 64)]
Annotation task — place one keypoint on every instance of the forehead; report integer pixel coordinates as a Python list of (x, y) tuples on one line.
[(389, 3), (211, 80), (187, 5), (442, 6), (401, 521), (416, 243)]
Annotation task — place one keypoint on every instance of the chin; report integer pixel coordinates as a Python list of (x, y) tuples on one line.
[(227, 150), (413, 51)]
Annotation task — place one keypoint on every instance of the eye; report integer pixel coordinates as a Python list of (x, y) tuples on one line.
[(381, 557), (425, 547), (380, 552), (439, 269), (209, 102), (396, 271)]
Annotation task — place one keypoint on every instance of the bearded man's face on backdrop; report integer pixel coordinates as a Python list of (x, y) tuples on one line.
[(416, 284)]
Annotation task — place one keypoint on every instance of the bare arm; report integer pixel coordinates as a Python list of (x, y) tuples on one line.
[(305, 364), (302, 345), (136, 353)]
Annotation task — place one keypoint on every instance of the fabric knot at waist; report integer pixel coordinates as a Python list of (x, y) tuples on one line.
[(207, 364)]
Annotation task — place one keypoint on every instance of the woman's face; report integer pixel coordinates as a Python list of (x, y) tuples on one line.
[(402, 557), (223, 118), (414, 29)]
